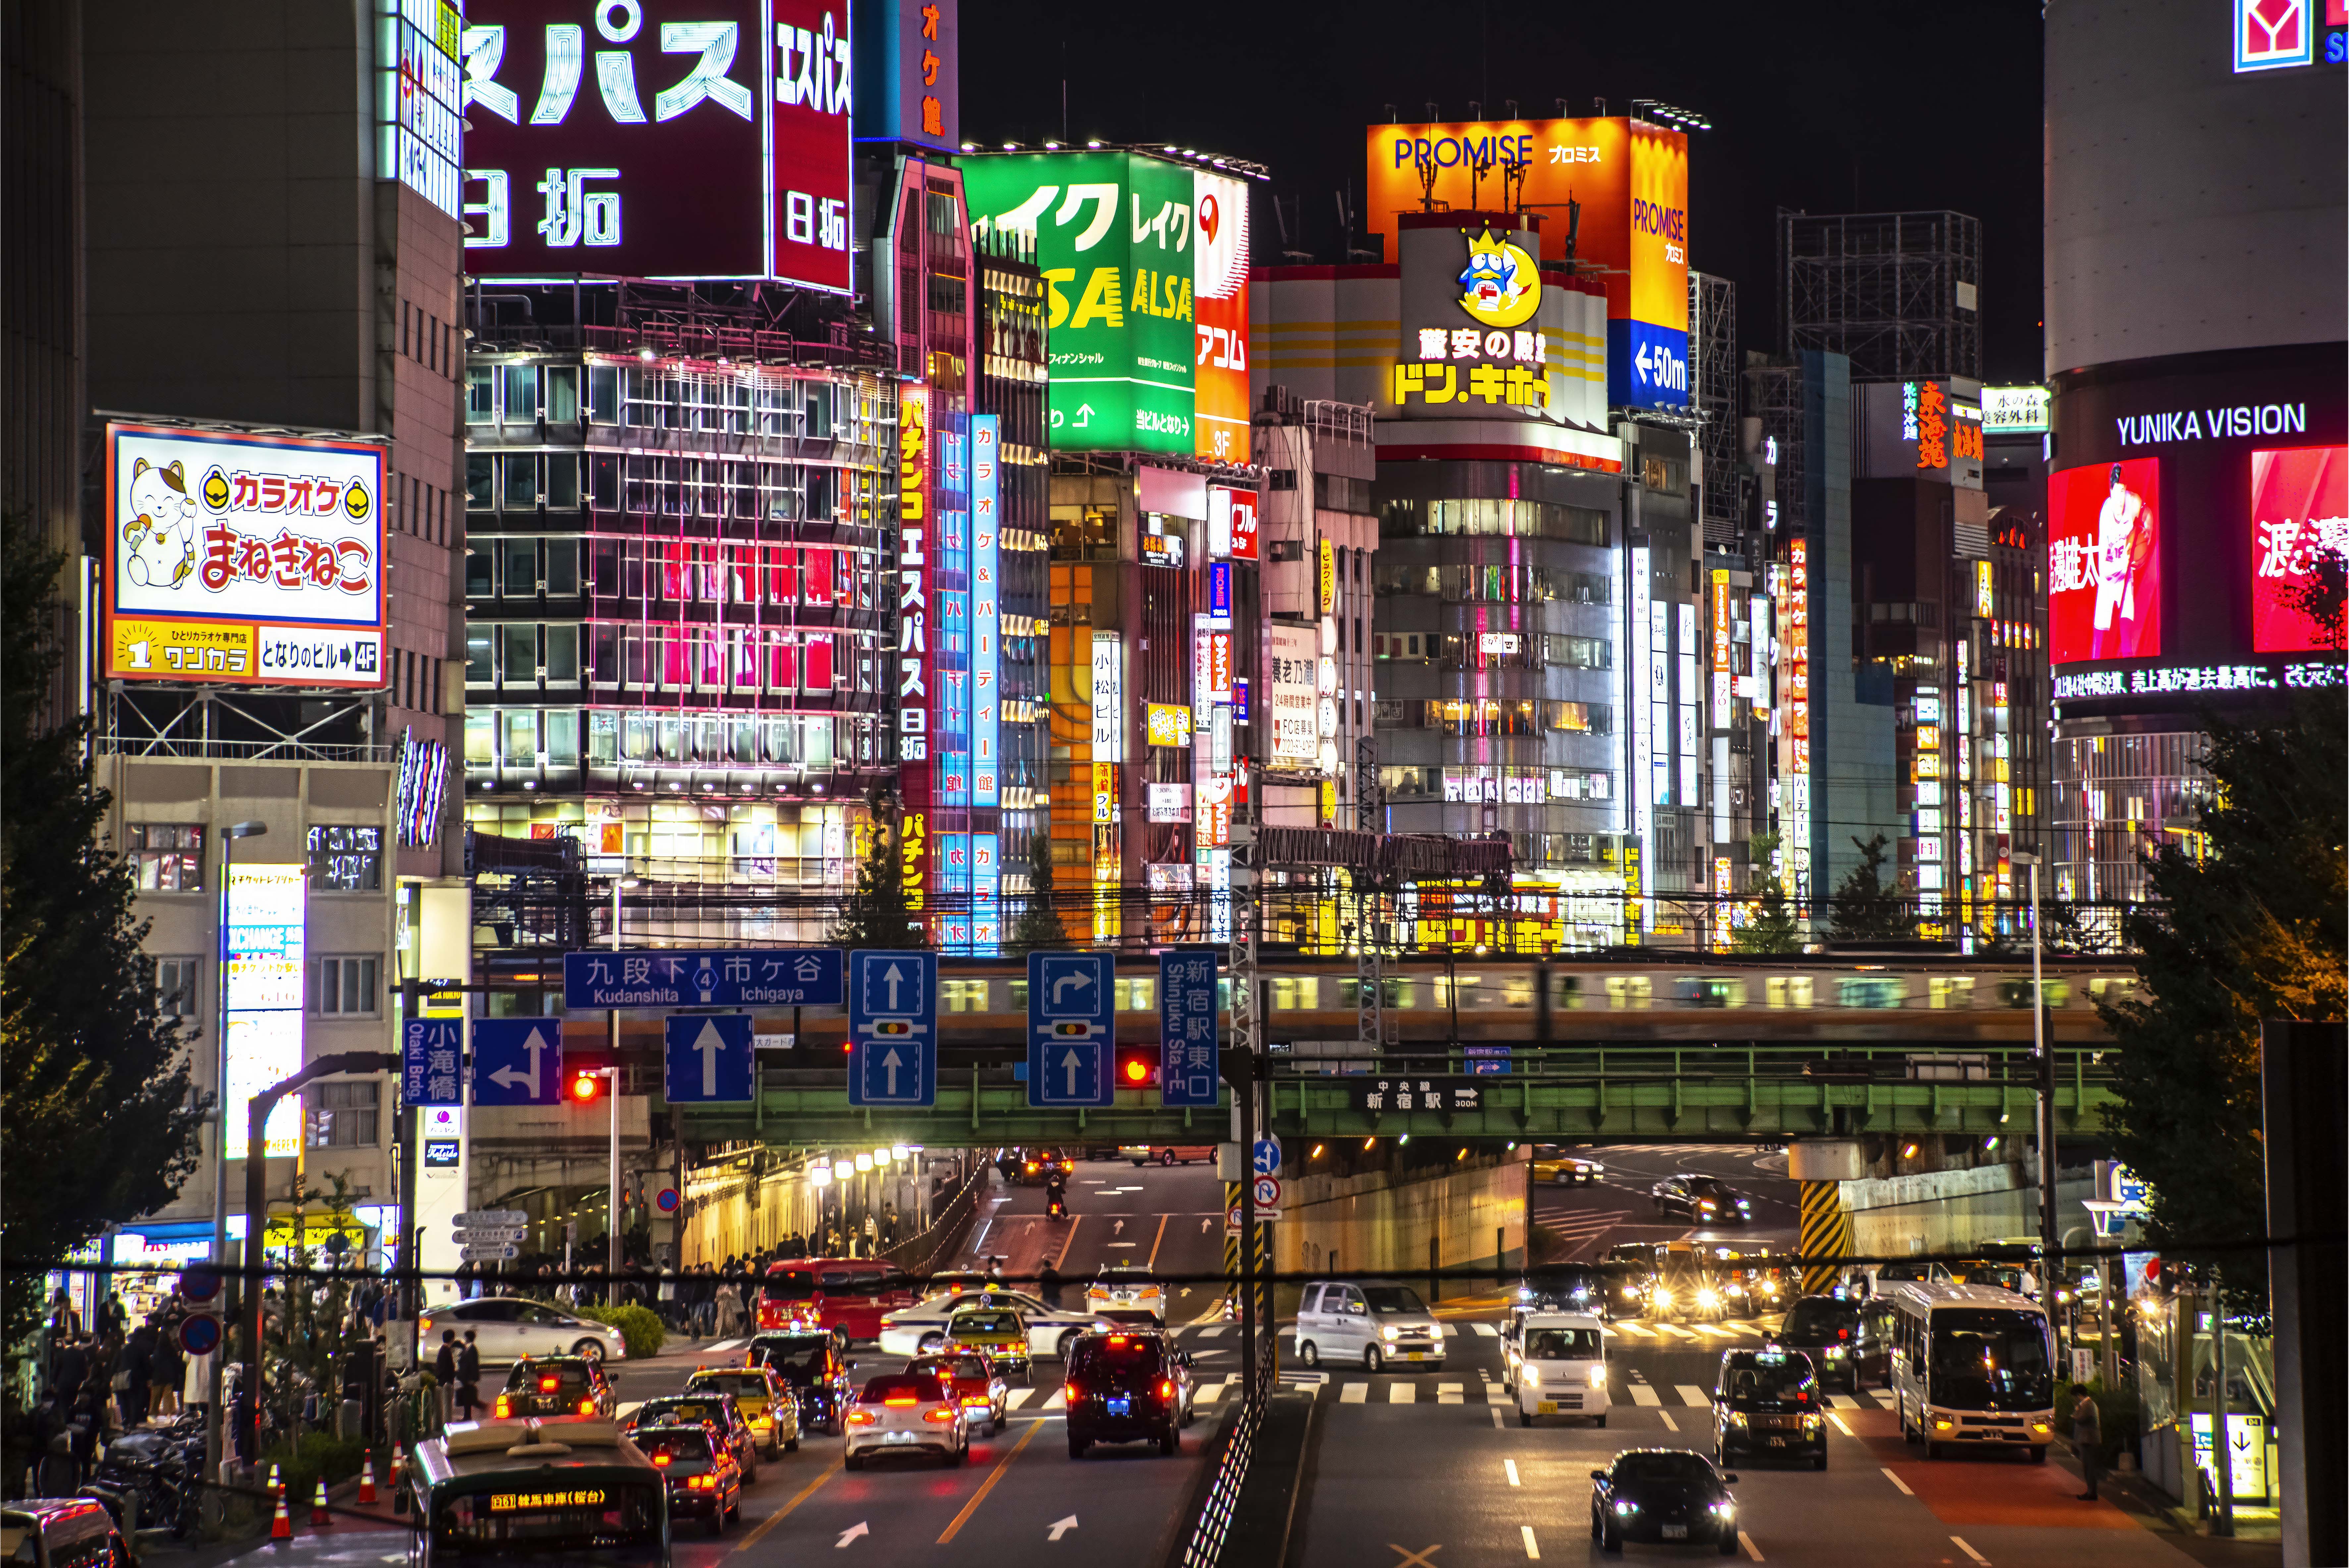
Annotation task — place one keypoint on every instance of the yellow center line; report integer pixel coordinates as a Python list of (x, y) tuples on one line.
[(777, 1517), (989, 1484), (1068, 1240), (1155, 1241)]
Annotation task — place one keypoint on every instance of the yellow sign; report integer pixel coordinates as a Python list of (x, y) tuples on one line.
[(314, 1230), (1167, 724), (515, 1501), (1328, 577), (182, 647), (1104, 792), (1500, 286)]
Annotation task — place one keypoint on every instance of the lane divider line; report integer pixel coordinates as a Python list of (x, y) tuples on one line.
[(1496, 1416), (1896, 1480), (1751, 1550), (989, 1484), (1839, 1427), (1969, 1552), (1533, 1550), (1670, 1425), (1511, 1465), (1693, 1397), (780, 1515)]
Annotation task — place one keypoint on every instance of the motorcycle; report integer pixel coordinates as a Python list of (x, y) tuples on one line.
[(1056, 1202), (152, 1478)]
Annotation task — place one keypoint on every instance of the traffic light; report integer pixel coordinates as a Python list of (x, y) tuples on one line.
[(585, 1088), (1137, 1066)]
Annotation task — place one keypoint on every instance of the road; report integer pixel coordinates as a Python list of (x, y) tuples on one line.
[(1420, 1469), (1592, 1217)]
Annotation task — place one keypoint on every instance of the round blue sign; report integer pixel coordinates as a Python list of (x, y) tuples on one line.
[(665, 1200), (199, 1335), (199, 1282)]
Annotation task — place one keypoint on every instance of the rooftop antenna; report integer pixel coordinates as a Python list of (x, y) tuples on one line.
[(1513, 106), (1281, 218), (1480, 164), (1599, 108), (1562, 111), (1345, 228), (1393, 117), (1513, 175), (1422, 163)]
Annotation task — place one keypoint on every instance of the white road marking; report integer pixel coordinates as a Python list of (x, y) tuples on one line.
[(1532, 1551), (1403, 1393), (1486, 1331), (1212, 1331), (1496, 1417), (1018, 1398), (1670, 1425), (1664, 1328), (1843, 1402), (1751, 1550), (1896, 1480), (1643, 1395), (1692, 1395), (626, 1407), (1058, 1401), (1208, 1394), (1354, 1394), (1969, 1552), (1511, 1465), (1496, 1395), (1839, 1427), (1449, 1393), (724, 1345), (1123, 1243), (1636, 1330), (1886, 1397)]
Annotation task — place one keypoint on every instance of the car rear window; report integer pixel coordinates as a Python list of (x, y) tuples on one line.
[(901, 1386), (533, 1375), (1115, 1352), (985, 1323), (741, 1385), (1814, 1320), (791, 1284), (691, 1410), (674, 1442)]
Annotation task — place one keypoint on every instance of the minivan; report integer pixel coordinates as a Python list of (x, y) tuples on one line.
[(1373, 1324), (1560, 1366)]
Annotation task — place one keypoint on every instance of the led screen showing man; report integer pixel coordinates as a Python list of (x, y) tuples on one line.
[(2103, 553), (2299, 518)]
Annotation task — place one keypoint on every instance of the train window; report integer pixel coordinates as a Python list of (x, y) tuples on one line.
[(1136, 995), (1569, 991), (1952, 990), (2112, 991), (1788, 990), (1294, 992), (1019, 995), (1871, 991), (1629, 990), (1712, 991), (2017, 993), (1517, 990), (962, 995)]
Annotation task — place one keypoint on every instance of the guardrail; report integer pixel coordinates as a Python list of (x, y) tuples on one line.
[(1227, 1474)]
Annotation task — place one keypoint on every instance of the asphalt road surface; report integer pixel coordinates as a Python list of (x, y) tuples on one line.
[(1592, 1217)]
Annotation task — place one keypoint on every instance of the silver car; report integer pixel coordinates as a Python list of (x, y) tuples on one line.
[(921, 1330), (1376, 1325), (506, 1328)]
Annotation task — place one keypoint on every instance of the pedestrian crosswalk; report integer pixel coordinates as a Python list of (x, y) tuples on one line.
[(1675, 1333)]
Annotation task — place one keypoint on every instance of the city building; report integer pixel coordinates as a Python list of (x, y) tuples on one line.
[(2195, 355)]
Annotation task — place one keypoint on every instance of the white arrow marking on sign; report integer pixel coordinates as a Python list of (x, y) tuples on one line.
[(508, 1076), (891, 979), (850, 1534), (1082, 978), (890, 1063), (1084, 415), (710, 1044), (1061, 1527), (1640, 359), (1070, 1063)]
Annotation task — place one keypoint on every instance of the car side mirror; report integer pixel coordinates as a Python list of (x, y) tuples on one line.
[(1181, 1358), (1598, 1475)]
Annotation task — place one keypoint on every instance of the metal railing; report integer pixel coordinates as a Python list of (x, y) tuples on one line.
[(1213, 1524)]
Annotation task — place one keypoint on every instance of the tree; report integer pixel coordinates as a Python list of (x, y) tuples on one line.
[(1039, 926), (99, 1113), (1771, 927), (876, 913), (1861, 910), (2244, 924)]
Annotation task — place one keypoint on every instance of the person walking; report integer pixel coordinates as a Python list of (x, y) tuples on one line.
[(166, 1370), (444, 1372), (728, 1323), (469, 1377), (2087, 1438), (137, 1364)]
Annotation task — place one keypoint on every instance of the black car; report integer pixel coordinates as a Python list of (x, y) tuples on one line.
[(1126, 1388), (1705, 1199), (1829, 1332), (1666, 1495), (1766, 1403), (704, 1481), (812, 1364), (554, 1386), (716, 1411), (1564, 1288)]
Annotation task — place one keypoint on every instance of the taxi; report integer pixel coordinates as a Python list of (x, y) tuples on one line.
[(1556, 1167), (1122, 1293), (554, 1386), (716, 1411), (766, 1401), (1767, 1402), (972, 1376), (703, 1479), (811, 1367), (999, 1332)]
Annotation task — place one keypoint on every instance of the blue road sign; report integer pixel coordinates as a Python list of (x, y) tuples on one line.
[(430, 1050), (893, 1028), (708, 1057), (1189, 1060), (517, 1061), (754, 977), (1264, 1158), (1069, 1030), (1486, 1059)]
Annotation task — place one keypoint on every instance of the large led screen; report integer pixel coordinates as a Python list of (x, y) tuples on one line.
[(2299, 515), (2103, 555)]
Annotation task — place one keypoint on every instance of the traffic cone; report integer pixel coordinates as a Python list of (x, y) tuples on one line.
[(319, 1517), (281, 1524), (367, 1480), (276, 1486), (398, 1479)]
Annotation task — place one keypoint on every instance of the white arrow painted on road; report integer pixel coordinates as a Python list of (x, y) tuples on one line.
[(508, 1076), (1118, 1229), (1061, 1527), (1071, 1064), (711, 1044), (1203, 1231), (850, 1534), (891, 979), (890, 1063)]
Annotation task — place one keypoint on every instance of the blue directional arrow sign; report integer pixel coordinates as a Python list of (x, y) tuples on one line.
[(708, 1057), (517, 1061), (893, 1028), (1070, 1032)]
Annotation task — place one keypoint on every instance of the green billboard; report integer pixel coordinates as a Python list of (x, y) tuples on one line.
[(1113, 237)]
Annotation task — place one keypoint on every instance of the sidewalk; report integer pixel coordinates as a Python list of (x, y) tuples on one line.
[(2257, 1543)]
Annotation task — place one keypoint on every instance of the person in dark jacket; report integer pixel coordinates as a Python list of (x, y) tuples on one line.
[(133, 1366), (444, 1371), (469, 1377)]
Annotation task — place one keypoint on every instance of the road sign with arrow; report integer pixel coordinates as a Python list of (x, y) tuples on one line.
[(708, 1057), (1070, 1030), (517, 1061), (893, 1027)]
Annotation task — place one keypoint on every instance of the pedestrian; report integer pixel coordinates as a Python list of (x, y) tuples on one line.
[(444, 1372), (2087, 1438), (166, 1370), (728, 1321), (889, 1223), (69, 1368), (469, 1377), (137, 1359)]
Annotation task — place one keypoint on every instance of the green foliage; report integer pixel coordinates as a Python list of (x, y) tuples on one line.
[(1038, 927), (640, 1329), (876, 914), (1771, 927), (1862, 908), (2252, 928), (99, 1116), (315, 1454)]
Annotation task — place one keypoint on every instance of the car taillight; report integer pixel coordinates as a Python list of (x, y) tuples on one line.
[(901, 1400), (505, 1405), (549, 1384), (703, 1483), (1072, 1395), (1166, 1387), (862, 1418), (941, 1415), (587, 1406), (662, 1461)]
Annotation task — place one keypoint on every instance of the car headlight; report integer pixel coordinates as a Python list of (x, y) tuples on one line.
[(1387, 1333), (1599, 1376), (1943, 1423), (1663, 1297), (1708, 1297), (1435, 1331), (1811, 1420), (1834, 1353), (1632, 1291), (1725, 1508), (1532, 1376), (2040, 1426), (1624, 1505)]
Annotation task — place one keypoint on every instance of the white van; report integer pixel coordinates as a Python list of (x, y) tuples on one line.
[(1373, 1326), (1560, 1368)]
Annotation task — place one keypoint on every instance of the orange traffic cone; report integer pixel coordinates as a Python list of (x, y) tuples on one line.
[(319, 1517), (276, 1486), (281, 1524), (398, 1479), (367, 1480)]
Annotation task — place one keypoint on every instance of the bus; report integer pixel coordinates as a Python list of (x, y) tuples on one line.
[(1972, 1365), (561, 1492)]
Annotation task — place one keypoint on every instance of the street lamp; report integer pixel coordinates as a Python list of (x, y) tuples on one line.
[(2050, 1269), (229, 836)]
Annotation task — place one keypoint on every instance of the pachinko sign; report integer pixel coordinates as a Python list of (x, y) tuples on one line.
[(249, 560)]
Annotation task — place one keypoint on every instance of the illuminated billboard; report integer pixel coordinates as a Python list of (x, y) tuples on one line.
[(711, 142), (1628, 181), (2104, 560), (264, 946), (247, 560), (908, 78), (1291, 666), (2299, 515), (1145, 272)]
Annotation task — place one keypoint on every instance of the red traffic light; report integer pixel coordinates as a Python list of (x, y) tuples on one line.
[(1137, 1066), (585, 1087)]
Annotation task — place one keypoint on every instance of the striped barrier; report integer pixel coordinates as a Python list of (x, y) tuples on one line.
[(1825, 1234)]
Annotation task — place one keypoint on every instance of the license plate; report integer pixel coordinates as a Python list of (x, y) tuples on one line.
[(1545, 1407), (1674, 1532), (896, 1437), (1120, 1406), (1416, 1355)]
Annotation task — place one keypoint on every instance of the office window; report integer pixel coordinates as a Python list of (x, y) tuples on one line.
[(345, 987), (165, 857), (346, 858), (176, 987), (342, 1114)]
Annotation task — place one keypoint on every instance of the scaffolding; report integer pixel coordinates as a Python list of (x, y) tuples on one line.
[(1898, 293), (1712, 394)]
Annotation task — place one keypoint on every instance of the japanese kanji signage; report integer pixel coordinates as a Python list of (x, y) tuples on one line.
[(704, 139), (1190, 1067), (1441, 1094), (758, 977), (909, 73), (430, 1050), (2299, 519), (251, 560)]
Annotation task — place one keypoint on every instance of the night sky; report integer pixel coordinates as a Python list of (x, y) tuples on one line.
[(1829, 107)]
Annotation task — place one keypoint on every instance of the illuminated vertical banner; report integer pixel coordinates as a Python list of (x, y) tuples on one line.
[(1685, 615), (1643, 717), (1798, 701), (950, 604), (914, 666), (1220, 372), (263, 953), (1720, 650), (953, 921), (986, 895), (986, 613)]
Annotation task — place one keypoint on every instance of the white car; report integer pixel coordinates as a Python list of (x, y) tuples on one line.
[(1560, 1366), (1122, 1291), (506, 1328), (910, 1413), (922, 1330)]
